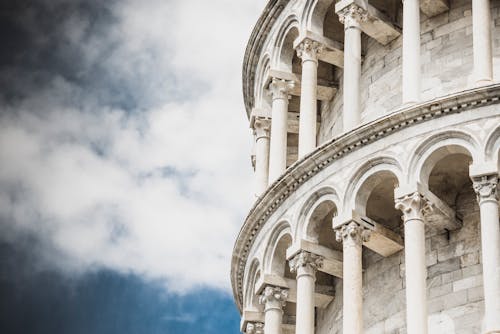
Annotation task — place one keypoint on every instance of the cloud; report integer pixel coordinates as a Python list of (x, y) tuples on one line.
[(123, 138)]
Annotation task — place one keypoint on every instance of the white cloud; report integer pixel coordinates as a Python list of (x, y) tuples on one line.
[(160, 191)]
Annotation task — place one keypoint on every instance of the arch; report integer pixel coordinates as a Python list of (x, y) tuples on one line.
[(366, 178), (250, 299), (283, 46), (492, 147), (261, 98), (279, 240), (319, 203), (437, 147), (313, 16)]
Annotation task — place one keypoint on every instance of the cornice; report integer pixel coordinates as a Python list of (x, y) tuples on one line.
[(254, 48), (338, 147)]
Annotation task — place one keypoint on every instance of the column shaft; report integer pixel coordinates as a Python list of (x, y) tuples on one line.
[(352, 77), (308, 50), (305, 265), (481, 31), (352, 235), (486, 189), (274, 299), (415, 275), (261, 155), (414, 206), (279, 127), (411, 51)]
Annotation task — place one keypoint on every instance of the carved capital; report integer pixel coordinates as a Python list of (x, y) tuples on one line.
[(414, 206), (280, 88), (352, 16), (352, 232), (273, 294), (308, 50), (306, 259), (486, 187), (254, 328), (261, 127)]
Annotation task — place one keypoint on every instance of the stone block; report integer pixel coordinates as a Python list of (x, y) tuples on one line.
[(469, 259), (443, 267), (455, 299), (467, 283), (475, 294)]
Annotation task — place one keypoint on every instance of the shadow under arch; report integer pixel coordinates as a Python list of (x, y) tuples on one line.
[(251, 300), (371, 191), (262, 100), (280, 239), (492, 147), (283, 57), (321, 206)]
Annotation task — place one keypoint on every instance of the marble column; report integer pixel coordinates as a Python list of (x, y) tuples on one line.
[(308, 51), (352, 236), (305, 265), (254, 328), (481, 35), (279, 125), (411, 52), (486, 188), (351, 17), (414, 207), (261, 128), (274, 299)]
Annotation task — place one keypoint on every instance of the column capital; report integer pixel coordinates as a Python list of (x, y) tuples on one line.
[(273, 297), (254, 328), (261, 127), (352, 15), (308, 50), (486, 187), (352, 232), (280, 88), (413, 206), (309, 261)]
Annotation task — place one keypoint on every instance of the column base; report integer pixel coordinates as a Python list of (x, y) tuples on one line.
[(481, 83)]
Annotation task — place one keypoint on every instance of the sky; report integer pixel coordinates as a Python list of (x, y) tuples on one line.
[(125, 168)]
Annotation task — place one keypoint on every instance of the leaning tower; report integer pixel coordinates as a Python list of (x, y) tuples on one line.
[(377, 139)]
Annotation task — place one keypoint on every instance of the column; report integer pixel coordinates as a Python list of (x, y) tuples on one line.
[(351, 17), (305, 265), (481, 35), (279, 126), (274, 299), (254, 328), (261, 132), (308, 51), (411, 52), (352, 236), (414, 207), (487, 196)]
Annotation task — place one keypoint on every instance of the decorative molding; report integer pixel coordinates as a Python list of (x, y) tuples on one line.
[(274, 294), (261, 127), (254, 328), (486, 188), (324, 155), (309, 50), (352, 233), (306, 259), (280, 88), (413, 206), (352, 16)]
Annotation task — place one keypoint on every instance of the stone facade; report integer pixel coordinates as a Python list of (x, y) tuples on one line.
[(388, 222)]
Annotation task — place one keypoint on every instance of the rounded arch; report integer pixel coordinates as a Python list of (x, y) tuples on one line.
[(283, 47), (250, 298), (279, 240), (319, 204), (367, 178), (437, 147), (262, 99), (314, 14), (492, 147)]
